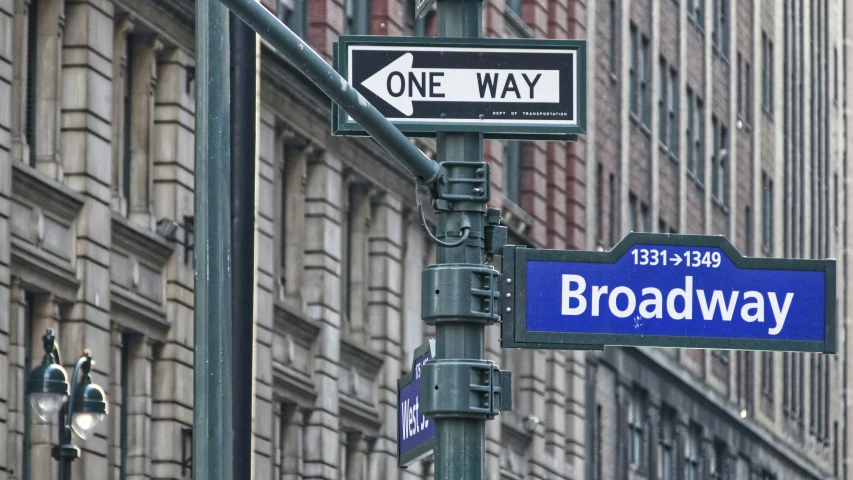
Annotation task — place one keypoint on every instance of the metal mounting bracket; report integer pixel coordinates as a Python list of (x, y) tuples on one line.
[(468, 389), (463, 182), (453, 293)]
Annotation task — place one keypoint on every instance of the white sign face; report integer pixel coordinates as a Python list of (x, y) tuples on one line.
[(399, 85), (503, 88)]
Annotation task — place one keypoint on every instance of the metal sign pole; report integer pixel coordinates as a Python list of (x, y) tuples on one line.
[(460, 443), (459, 293), (212, 406)]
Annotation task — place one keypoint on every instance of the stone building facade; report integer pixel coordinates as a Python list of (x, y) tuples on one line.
[(698, 125)]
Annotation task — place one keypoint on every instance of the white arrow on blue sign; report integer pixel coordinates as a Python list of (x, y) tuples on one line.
[(657, 290)]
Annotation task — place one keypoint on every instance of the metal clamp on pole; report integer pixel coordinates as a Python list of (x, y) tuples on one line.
[(465, 389), (452, 292)]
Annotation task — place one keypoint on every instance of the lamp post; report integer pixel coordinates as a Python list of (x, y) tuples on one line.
[(81, 412)]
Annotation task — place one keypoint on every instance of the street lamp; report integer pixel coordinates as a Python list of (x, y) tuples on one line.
[(81, 413)]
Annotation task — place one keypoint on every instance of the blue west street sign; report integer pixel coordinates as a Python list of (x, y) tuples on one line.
[(415, 433), (660, 290), (504, 88)]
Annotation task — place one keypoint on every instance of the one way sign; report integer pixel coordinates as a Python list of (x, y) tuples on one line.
[(505, 88)]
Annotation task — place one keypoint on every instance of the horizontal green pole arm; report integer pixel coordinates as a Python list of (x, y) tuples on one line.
[(336, 87)]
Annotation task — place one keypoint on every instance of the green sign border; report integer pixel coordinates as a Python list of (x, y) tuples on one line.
[(425, 448), (341, 126), (514, 332)]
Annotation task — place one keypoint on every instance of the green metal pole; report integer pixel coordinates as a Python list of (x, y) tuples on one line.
[(460, 443), (332, 84), (212, 401)]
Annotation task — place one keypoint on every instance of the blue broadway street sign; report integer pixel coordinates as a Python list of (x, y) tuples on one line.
[(415, 433), (660, 290)]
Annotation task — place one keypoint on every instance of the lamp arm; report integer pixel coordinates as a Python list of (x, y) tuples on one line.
[(55, 354), (85, 360)]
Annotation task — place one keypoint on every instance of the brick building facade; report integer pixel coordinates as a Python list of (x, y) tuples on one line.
[(697, 124)]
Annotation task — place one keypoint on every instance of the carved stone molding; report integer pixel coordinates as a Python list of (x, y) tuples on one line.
[(43, 238)]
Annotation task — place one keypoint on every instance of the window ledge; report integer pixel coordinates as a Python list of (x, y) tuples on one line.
[(614, 79), (692, 176), (673, 156), (719, 204), (517, 24), (646, 130)]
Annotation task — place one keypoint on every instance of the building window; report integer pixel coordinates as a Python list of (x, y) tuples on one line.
[(645, 83), (719, 162), (692, 452), (632, 213), (290, 448), (673, 113), (614, 209), (667, 440), (745, 381), (717, 463), (739, 84), (663, 113), (633, 71), (793, 386), (512, 170), (514, 6), (636, 418), (696, 13), (698, 146), (715, 178), (357, 20), (691, 159), (767, 74), (614, 40), (747, 218), (767, 375), (293, 152), (645, 218), (766, 214), (32, 79), (293, 14), (836, 91), (357, 266), (720, 32), (599, 203), (596, 445)]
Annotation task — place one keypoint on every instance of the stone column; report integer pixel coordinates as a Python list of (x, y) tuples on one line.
[(384, 311), (51, 26), (322, 287), (143, 52), (86, 149), (10, 19), (575, 431), (12, 451), (123, 27), (173, 198), (140, 357)]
